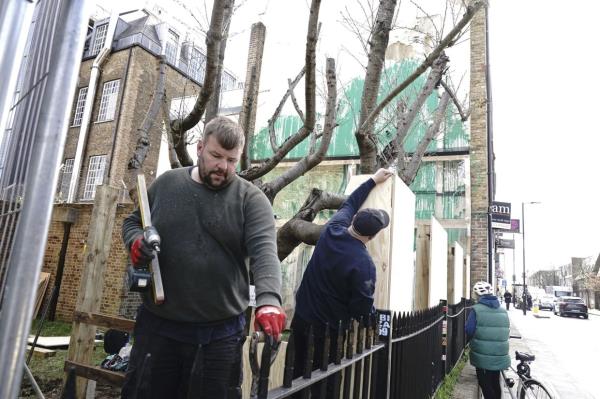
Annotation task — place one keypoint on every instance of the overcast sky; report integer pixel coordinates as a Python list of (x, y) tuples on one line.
[(545, 137), (543, 60)]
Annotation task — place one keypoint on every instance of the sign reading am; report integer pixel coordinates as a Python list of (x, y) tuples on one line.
[(500, 215)]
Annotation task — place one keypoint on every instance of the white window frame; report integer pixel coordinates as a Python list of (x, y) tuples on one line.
[(65, 179), (99, 38), (79, 106), (171, 47), (108, 103), (227, 81), (95, 175), (197, 64)]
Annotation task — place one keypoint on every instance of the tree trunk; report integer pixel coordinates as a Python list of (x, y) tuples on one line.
[(380, 33), (214, 36), (214, 104), (135, 163)]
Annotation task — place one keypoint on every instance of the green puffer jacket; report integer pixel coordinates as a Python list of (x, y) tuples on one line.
[(489, 346)]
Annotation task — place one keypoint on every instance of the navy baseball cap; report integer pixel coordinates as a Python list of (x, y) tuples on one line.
[(369, 221)]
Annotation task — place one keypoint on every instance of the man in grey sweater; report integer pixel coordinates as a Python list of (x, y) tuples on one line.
[(210, 222)]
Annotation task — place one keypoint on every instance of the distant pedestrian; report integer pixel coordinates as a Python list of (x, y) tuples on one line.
[(507, 299), (488, 327)]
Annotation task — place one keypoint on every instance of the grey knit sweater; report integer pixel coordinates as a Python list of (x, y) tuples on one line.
[(207, 235)]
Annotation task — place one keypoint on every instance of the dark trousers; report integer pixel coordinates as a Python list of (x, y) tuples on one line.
[(178, 370), (507, 305), (300, 329), (489, 381)]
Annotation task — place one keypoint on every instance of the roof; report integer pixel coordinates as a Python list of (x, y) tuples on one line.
[(139, 25)]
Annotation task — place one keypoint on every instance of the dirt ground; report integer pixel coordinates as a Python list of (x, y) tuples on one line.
[(52, 390)]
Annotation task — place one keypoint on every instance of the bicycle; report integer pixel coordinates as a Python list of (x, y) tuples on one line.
[(528, 387)]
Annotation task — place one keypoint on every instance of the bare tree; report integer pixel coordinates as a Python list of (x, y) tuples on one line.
[(300, 228)]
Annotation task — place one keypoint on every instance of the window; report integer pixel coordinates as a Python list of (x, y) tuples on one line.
[(171, 47), (108, 103), (99, 38), (227, 82), (79, 106), (197, 65), (65, 179), (94, 177)]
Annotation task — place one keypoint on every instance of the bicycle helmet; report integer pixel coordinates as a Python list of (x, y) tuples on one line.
[(482, 288)]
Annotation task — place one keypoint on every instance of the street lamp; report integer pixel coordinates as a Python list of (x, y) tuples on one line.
[(524, 282)]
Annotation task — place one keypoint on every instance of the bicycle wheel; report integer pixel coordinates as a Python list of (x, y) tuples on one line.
[(533, 389)]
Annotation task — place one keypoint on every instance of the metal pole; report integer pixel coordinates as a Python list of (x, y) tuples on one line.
[(15, 17), (524, 283), (32, 230)]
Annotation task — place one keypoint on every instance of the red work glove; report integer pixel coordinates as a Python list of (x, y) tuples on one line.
[(141, 252), (270, 319)]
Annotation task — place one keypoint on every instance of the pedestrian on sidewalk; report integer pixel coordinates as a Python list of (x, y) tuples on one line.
[(488, 328), (339, 281), (507, 299), (211, 222)]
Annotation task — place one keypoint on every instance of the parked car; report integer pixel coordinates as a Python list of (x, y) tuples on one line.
[(570, 305), (547, 302)]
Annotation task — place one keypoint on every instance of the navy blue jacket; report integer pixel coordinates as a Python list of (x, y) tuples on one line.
[(339, 280)]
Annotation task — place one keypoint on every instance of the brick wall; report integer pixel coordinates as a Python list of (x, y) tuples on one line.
[(138, 71), (114, 288), (479, 152)]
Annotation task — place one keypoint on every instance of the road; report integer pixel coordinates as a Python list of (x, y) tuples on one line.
[(567, 351)]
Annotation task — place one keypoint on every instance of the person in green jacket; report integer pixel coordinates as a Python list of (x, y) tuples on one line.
[(488, 328)]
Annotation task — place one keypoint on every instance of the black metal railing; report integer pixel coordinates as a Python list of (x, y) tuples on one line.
[(404, 354), (456, 339)]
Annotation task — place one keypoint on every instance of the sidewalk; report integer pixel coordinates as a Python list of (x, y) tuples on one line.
[(467, 387)]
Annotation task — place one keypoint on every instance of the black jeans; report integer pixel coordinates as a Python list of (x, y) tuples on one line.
[(300, 330), (173, 374), (489, 381), (507, 305)]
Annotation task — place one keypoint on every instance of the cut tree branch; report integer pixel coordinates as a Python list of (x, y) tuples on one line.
[(290, 235), (288, 93), (312, 159), (310, 90), (447, 41), (407, 118), (214, 36), (408, 174)]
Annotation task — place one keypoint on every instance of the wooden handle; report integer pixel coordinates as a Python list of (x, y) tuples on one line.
[(157, 284)]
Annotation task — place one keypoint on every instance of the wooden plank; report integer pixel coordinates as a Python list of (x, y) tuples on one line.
[(422, 267), (157, 284), (41, 353), (41, 291), (92, 280), (450, 277), (103, 320), (114, 378)]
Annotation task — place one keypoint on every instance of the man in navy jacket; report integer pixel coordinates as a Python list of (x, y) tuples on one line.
[(339, 281)]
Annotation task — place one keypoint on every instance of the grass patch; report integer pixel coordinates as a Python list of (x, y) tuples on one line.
[(447, 387), (51, 328)]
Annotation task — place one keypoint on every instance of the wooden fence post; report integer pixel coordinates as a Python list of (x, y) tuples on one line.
[(422, 267), (92, 280)]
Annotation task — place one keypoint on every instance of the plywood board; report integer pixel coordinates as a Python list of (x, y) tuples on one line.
[(402, 263), (379, 248), (459, 255), (422, 267), (438, 263)]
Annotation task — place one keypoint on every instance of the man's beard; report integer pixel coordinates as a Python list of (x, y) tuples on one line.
[(215, 179)]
